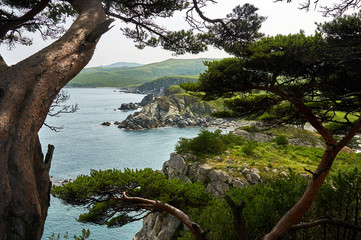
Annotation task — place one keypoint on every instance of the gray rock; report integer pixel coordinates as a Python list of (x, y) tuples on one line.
[(128, 106), (146, 100), (159, 226), (198, 173), (218, 175), (106, 124), (237, 182), (217, 188), (175, 167), (253, 176)]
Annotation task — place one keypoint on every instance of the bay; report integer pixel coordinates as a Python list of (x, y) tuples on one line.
[(83, 144)]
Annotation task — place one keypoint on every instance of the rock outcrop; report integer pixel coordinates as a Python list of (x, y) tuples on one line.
[(128, 106), (179, 110), (146, 100), (310, 141), (161, 226)]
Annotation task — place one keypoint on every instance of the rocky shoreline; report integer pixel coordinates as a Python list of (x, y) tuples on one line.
[(179, 110)]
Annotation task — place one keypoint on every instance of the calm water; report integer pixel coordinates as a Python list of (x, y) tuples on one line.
[(84, 144)]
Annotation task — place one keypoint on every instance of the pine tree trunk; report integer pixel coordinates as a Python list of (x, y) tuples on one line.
[(303, 204), (27, 90)]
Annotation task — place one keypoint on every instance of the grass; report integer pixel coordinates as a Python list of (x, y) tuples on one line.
[(271, 156), (268, 156)]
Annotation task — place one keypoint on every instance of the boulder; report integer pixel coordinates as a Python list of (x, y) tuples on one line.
[(217, 188), (253, 176), (175, 167), (106, 124), (128, 106), (159, 226)]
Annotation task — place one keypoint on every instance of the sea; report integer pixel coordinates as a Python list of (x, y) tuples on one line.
[(84, 144)]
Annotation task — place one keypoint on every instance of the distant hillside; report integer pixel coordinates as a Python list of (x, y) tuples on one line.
[(159, 85), (122, 64), (132, 76)]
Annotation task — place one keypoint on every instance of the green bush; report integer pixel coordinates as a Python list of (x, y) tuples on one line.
[(251, 128), (266, 203), (249, 147), (208, 142), (93, 191), (281, 140)]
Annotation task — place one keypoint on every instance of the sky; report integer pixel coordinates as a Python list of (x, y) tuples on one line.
[(282, 18)]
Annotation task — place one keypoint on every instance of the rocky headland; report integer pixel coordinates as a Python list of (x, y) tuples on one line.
[(175, 108)]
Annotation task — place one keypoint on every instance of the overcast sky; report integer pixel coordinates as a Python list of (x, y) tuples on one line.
[(282, 18)]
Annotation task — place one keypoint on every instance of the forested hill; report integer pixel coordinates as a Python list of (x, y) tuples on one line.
[(131, 76), (159, 85)]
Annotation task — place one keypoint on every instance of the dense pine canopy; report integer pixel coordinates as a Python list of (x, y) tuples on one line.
[(276, 75)]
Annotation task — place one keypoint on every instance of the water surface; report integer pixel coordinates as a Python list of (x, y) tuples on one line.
[(84, 144)]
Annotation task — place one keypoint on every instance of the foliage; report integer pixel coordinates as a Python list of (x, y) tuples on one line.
[(294, 79), (166, 82), (293, 70), (207, 142), (249, 147), (268, 154), (100, 189), (281, 140), (338, 198), (85, 234), (48, 22)]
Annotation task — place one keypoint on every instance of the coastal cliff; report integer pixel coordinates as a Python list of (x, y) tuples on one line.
[(176, 108)]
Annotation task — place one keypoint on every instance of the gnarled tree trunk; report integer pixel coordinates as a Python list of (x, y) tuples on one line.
[(27, 90), (324, 167)]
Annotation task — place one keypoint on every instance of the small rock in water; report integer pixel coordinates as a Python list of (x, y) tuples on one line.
[(106, 124)]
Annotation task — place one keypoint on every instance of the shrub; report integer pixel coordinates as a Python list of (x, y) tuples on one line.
[(208, 143), (250, 147), (266, 203), (281, 140)]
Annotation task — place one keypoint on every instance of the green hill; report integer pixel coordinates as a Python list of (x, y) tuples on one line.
[(132, 76), (159, 85)]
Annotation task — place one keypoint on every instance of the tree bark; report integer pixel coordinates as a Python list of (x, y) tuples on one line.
[(301, 207), (27, 90), (239, 222)]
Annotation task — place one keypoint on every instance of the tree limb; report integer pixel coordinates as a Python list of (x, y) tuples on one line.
[(196, 230), (238, 219), (13, 23), (322, 221)]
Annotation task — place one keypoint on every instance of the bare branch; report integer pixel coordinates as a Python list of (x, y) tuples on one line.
[(57, 108), (13, 23), (323, 221), (335, 9)]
